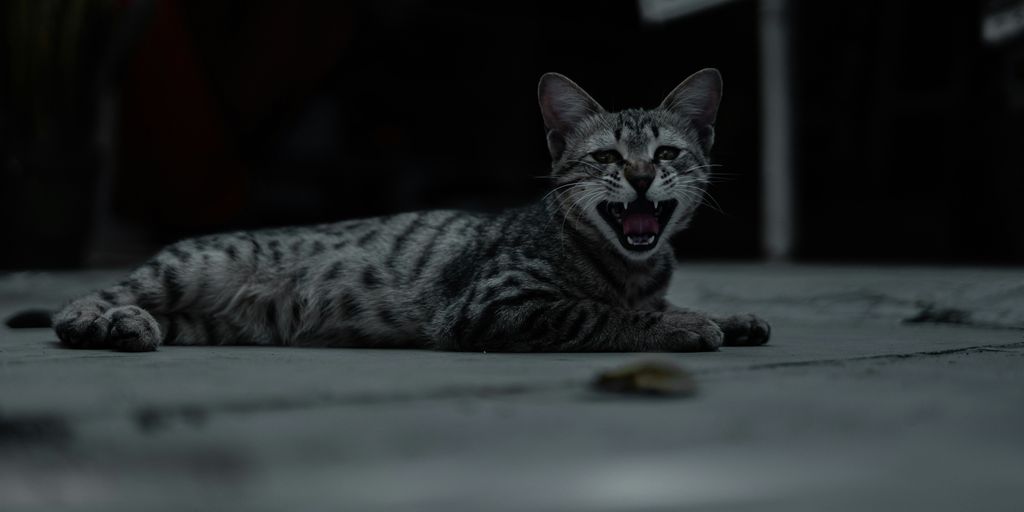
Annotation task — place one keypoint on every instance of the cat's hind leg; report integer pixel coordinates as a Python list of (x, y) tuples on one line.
[(104, 320), (82, 324), (194, 329), (87, 323), (132, 329)]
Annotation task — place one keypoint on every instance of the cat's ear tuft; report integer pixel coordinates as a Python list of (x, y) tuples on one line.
[(696, 99), (563, 105)]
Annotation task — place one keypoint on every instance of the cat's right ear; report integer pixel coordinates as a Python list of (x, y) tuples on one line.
[(563, 105)]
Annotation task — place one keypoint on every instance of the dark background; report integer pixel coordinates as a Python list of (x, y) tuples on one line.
[(125, 125)]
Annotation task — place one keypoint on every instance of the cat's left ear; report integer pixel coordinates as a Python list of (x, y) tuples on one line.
[(697, 99)]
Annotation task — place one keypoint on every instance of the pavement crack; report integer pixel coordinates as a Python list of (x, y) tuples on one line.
[(877, 357)]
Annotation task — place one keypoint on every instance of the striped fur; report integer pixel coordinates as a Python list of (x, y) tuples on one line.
[(552, 276)]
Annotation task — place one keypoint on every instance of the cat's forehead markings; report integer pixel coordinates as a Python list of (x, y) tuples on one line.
[(638, 138), (672, 136)]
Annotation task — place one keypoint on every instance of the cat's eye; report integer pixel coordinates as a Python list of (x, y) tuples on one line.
[(666, 153), (608, 156)]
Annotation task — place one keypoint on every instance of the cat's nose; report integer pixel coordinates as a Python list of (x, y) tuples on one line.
[(640, 175)]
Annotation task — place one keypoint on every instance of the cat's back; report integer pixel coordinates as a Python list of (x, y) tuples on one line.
[(406, 248)]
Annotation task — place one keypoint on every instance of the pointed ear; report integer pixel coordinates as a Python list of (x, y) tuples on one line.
[(696, 99), (563, 104)]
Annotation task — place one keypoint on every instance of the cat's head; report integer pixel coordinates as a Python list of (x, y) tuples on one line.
[(633, 177)]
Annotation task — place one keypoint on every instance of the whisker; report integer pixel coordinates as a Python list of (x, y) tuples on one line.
[(712, 198), (564, 186), (692, 197), (580, 204), (701, 166), (702, 197), (719, 179)]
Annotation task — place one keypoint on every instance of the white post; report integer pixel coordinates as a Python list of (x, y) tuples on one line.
[(777, 201)]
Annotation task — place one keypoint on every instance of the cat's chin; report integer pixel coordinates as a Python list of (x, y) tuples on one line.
[(638, 225)]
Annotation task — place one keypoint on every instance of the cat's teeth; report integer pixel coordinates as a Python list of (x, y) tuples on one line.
[(655, 205), (625, 205), (640, 240)]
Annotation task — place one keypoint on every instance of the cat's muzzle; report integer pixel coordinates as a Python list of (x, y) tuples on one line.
[(638, 224)]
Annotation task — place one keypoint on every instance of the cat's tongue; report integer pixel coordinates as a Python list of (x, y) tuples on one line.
[(636, 224)]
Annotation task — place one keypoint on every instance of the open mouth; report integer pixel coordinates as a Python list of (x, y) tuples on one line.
[(638, 224)]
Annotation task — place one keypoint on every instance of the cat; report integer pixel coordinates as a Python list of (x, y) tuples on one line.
[(583, 269)]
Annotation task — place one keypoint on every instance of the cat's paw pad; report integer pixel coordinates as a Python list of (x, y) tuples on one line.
[(132, 329), (694, 333), (745, 330), (81, 327)]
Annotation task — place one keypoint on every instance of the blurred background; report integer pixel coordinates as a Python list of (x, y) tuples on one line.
[(872, 131)]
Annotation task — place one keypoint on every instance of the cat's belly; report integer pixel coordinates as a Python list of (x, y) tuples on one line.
[(286, 312)]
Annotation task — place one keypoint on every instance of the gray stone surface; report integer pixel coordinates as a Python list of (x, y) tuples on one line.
[(847, 409)]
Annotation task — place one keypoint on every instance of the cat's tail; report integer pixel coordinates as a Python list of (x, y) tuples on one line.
[(31, 319)]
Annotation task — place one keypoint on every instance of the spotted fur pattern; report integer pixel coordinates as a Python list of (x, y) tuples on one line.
[(552, 276)]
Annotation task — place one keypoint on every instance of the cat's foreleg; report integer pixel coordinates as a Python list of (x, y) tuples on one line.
[(513, 323), (742, 329)]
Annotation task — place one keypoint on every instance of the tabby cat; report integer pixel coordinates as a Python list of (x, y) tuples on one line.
[(583, 269)]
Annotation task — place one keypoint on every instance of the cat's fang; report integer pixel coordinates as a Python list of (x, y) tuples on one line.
[(625, 206)]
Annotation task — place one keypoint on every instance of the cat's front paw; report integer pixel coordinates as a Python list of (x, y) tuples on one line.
[(744, 330), (692, 332), (132, 329)]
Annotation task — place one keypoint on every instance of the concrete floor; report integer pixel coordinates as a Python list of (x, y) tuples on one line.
[(848, 408)]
